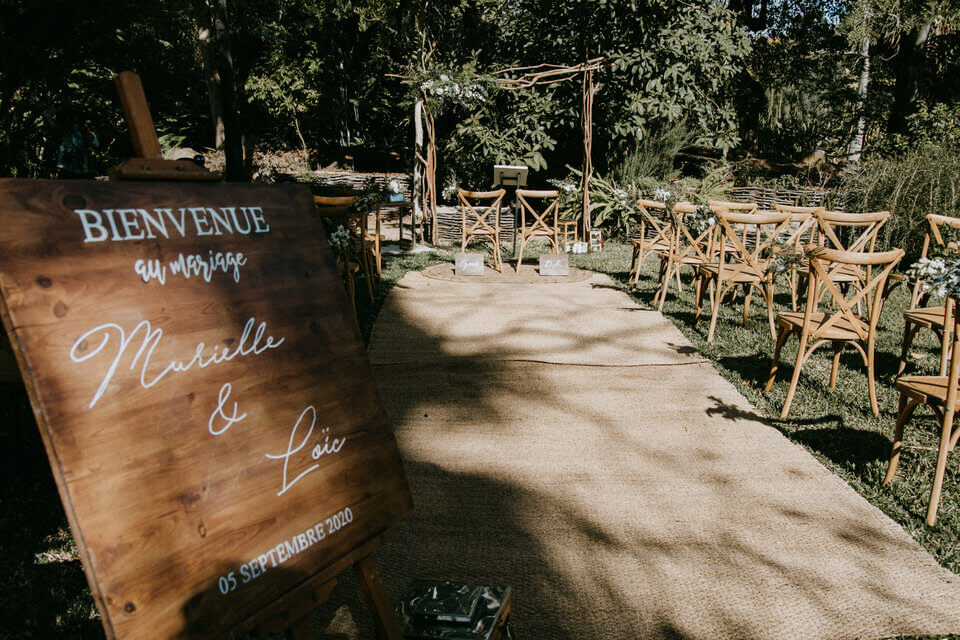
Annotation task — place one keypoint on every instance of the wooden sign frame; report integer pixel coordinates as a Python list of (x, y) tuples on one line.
[(168, 517)]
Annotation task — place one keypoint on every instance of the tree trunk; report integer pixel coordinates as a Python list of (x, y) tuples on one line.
[(206, 48), (855, 146), (907, 64), (233, 138)]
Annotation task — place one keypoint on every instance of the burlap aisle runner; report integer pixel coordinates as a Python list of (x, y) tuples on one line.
[(565, 442)]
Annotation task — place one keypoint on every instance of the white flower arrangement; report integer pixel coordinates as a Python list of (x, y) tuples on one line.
[(341, 242), (939, 276), (450, 190), (394, 186)]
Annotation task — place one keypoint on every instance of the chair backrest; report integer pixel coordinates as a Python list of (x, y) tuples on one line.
[(722, 205), (822, 262), (747, 240), (488, 218), (791, 208), (654, 221), (334, 206), (802, 228), (689, 242), (538, 217), (934, 224), (868, 225)]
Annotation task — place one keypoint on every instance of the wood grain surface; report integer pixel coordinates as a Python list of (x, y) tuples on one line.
[(189, 523)]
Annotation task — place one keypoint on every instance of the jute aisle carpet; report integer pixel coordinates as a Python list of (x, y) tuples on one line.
[(563, 441)]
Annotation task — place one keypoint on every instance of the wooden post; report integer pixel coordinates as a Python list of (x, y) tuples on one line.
[(587, 117), (146, 144), (149, 163), (376, 595)]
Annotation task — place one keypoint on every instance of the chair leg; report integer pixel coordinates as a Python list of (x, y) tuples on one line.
[(837, 350), (945, 431), (910, 332), (945, 344), (699, 296), (523, 243), (633, 276), (368, 276), (871, 382), (715, 310), (771, 316), (747, 295), (904, 412), (792, 282), (796, 376), (781, 338), (664, 284)]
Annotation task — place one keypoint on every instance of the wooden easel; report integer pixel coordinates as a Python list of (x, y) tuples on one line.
[(291, 613)]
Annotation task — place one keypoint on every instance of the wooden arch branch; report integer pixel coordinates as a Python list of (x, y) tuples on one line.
[(512, 78), (525, 77)]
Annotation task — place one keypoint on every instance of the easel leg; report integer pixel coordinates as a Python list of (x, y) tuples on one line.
[(300, 631), (377, 600)]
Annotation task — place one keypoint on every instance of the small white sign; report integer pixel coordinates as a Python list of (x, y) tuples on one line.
[(554, 264), (468, 264)]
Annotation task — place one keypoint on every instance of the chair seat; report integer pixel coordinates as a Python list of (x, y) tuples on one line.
[(928, 317), (842, 329), (746, 273), (929, 389), (481, 232), (652, 244)]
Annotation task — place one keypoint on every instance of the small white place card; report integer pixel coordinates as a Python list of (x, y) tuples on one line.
[(554, 264), (468, 264)]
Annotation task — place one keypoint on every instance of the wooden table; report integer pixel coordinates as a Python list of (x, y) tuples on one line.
[(402, 206)]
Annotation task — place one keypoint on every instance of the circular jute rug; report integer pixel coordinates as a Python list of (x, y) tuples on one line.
[(529, 274)]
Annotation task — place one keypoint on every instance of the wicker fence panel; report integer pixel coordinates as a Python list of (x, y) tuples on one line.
[(766, 197)]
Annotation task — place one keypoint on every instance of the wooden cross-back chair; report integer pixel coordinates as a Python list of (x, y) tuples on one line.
[(805, 219), (654, 238), (480, 215), (337, 210), (918, 316), (744, 246), (539, 214), (843, 324), (848, 232), (687, 248), (940, 393)]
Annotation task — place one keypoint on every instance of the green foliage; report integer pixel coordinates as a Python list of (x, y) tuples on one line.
[(508, 129), (654, 156), (924, 180), (937, 124)]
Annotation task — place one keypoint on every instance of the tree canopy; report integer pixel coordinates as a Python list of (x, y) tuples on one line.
[(333, 78)]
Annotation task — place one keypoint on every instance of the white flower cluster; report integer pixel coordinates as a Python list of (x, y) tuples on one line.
[(446, 88), (394, 186), (450, 191), (939, 276), (567, 186), (700, 220), (341, 241), (622, 197), (661, 195)]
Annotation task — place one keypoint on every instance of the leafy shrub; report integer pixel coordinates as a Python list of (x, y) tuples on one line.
[(654, 155), (925, 179), (939, 124)]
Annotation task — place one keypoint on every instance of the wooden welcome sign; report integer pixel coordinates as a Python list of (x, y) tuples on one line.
[(202, 391)]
